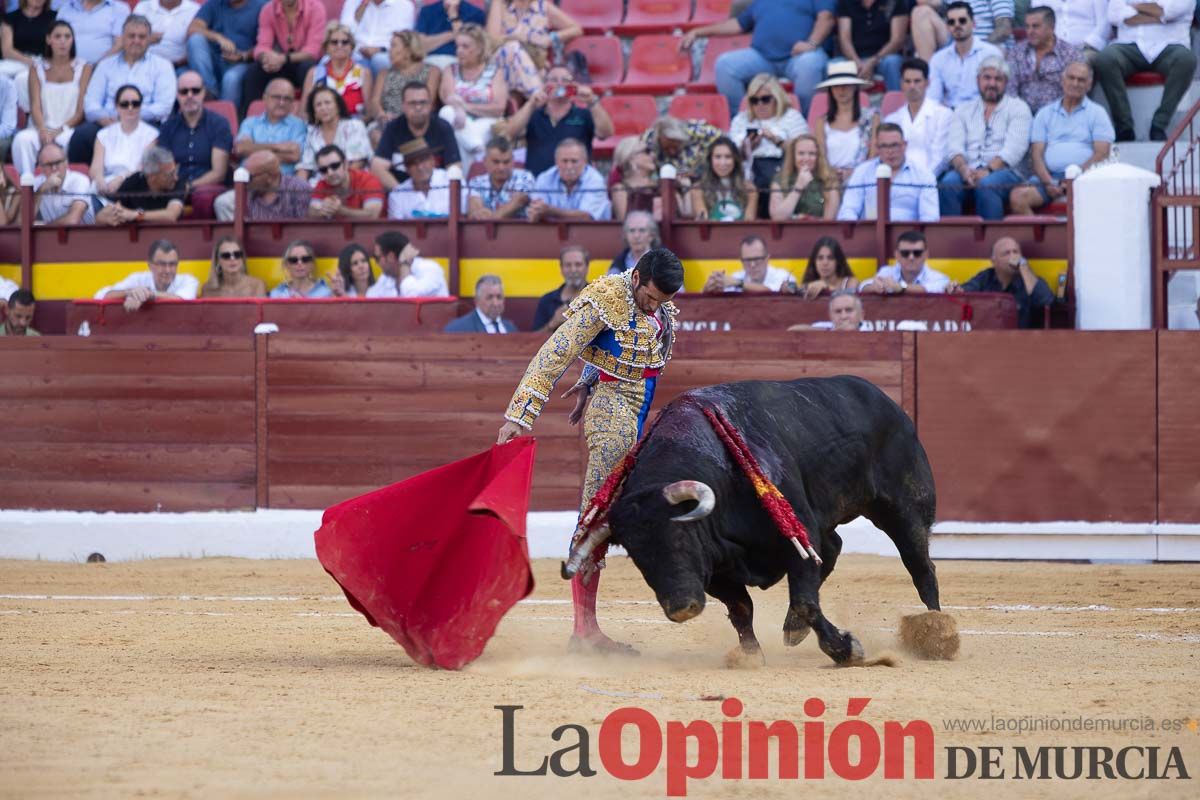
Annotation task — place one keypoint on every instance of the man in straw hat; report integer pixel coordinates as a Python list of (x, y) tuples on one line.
[(426, 193)]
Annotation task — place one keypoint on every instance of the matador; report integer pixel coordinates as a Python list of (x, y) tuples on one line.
[(622, 327)]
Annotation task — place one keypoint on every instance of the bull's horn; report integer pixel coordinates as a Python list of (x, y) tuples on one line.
[(679, 491), (584, 551)]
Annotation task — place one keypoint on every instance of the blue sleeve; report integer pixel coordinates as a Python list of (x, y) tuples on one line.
[(1102, 127), (824, 5), (424, 23), (471, 13), (120, 12), (746, 18), (222, 134), (1041, 125), (928, 208), (159, 106), (93, 101), (852, 201), (207, 13)]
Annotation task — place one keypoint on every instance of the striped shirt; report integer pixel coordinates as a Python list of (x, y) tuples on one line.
[(986, 14)]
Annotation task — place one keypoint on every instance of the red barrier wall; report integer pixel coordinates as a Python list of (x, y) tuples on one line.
[(1178, 426)]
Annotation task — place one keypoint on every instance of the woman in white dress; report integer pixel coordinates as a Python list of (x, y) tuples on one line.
[(332, 124), (56, 88), (119, 147)]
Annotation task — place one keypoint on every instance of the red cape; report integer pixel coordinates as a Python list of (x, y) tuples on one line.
[(438, 559)]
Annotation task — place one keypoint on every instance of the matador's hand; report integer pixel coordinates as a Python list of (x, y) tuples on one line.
[(582, 392), (509, 431)]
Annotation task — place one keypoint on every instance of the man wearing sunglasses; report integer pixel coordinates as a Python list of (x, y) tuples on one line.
[(162, 281), (201, 142), (952, 69), (343, 192), (910, 274)]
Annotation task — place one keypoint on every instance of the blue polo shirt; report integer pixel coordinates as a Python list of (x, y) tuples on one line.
[(1069, 137), (192, 147), (261, 130), (240, 25), (778, 24), (542, 136), (432, 20)]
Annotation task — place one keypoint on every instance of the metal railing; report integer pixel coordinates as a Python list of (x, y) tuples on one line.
[(1175, 210)]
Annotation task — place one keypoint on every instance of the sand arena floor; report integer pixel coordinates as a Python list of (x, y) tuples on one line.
[(293, 695)]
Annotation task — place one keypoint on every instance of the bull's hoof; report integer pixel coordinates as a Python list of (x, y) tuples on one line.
[(856, 652), (846, 651), (794, 636), (795, 628), (600, 645), (741, 658)]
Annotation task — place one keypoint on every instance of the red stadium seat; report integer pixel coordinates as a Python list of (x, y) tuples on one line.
[(710, 11), (707, 81), (892, 101), (225, 109), (654, 16), (631, 114), (255, 108), (595, 16), (606, 62), (1145, 79), (656, 66), (712, 108), (1056, 209), (820, 106)]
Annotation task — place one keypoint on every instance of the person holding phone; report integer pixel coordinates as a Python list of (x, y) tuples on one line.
[(761, 130), (561, 109)]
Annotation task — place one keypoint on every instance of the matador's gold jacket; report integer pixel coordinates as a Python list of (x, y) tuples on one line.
[(607, 331)]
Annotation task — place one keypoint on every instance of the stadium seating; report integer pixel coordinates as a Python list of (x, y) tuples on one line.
[(631, 114), (656, 66), (225, 109), (654, 16), (597, 17), (710, 11), (707, 80), (606, 62), (712, 108), (892, 101), (255, 108)]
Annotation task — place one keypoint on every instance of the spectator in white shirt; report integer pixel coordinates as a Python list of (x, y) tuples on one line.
[(952, 69), (757, 276), (762, 129), (405, 273), (169, 21), (161, 281), (61, 195), (373, 23), (926, 123), (426, 193), (1154, 36), (910, 274)]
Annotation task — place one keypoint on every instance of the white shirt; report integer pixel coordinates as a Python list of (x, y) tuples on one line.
[(775, 279), (928, 278), (1081, 22), (405, 202), (953, 79), (172, 24), (54, 206), (425, 280), (927, 134), (789, 126), (1175, 26), (7, 287), (184, 286), (490, 325), (123, 151), (378, 21)]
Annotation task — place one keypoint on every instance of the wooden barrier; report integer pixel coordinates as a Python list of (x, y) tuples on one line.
[(1020, 426)]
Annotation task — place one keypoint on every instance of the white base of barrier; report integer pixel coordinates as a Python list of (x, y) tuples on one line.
[(72, 536)]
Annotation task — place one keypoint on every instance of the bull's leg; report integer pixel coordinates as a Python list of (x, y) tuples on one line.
[(911, 537), (741, 614), (804, 583), (795, 626)]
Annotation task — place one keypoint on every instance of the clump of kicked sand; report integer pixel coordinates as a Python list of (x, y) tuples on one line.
[(932, 636)]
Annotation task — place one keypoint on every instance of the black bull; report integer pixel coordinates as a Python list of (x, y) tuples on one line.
[(837, 448)]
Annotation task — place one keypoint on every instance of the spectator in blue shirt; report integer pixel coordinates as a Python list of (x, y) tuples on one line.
[(789, 40), (201, 142), (97, 25), (570, 191), (438, 23), (952, 69), (913, 195), (132, 65), (276, 130), (220, 45), (1072, 130)]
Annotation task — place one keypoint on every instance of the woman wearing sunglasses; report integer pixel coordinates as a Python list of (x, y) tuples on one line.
[(338, 70), (761, 129), (228, 277), (300, 267), (119, 148)]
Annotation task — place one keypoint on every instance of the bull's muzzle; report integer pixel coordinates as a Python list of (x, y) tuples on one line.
[(702, 493)]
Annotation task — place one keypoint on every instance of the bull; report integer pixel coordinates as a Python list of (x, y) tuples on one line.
[(837, 448)]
